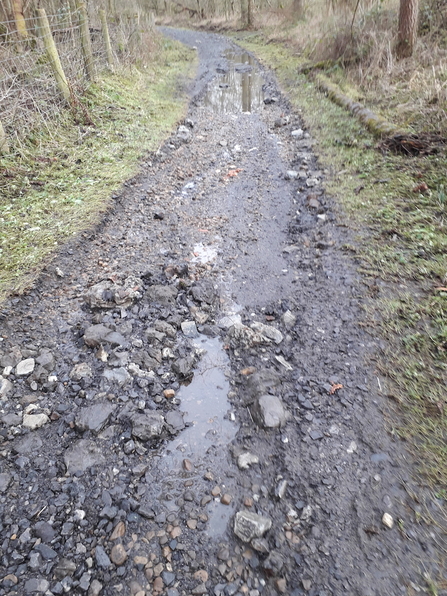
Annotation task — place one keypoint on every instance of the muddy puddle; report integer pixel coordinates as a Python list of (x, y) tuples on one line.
[(238, 85), (210, 427)]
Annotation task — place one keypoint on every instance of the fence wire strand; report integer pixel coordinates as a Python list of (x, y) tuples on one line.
[(29, 96)]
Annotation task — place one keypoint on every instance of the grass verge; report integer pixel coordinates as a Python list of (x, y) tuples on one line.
[(397, 207), (61, 179)]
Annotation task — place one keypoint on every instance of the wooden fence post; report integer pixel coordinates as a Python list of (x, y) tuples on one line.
[(106, 36), (4, 147), (53, 56), (86, 42)]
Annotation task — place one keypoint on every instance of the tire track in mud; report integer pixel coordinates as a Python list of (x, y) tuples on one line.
[(219, 275)]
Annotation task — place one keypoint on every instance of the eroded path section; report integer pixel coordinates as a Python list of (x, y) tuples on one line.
[(189, 405)]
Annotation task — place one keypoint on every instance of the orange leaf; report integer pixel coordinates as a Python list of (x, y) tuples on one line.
[(335, 387)]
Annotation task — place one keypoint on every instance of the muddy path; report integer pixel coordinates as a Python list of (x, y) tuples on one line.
[(189, 400)]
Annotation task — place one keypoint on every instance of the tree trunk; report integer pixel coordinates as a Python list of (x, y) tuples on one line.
[(407, 30), (22, 31), (249, 14)]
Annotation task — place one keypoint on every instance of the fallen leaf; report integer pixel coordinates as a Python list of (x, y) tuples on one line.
[(335, 387), (248, 371), (421, 188), (233, 173)]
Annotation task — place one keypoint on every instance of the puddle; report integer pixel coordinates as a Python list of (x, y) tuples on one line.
[(204, 442), (238, 86)]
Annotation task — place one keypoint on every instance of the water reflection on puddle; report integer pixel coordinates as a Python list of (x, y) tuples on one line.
[(206, 409), (238, 86)]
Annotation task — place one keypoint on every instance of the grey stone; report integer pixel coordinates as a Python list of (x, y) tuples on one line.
[(189, 329), (35, 560), (291, 175), (102, 559), (64, 568), (106, 294), (44, 531), (164, 295), (316, 435), (115, 339), (184, 366), (47, 552), (81, 371), (12, 419), (6, 387), (5, 480), (245, 460), (168, 578), (147, 425), (94, 417), (46, 360), (84, 582), (274, 563), (28, 445), (204, 291), (34, 421), (268, 331), (95, 335), (174, 418), (249, 525), (289, 319), (229, 320), (25, 367), (34, 585), (82, 456), (95, 588), (184, 133), (120, 376), (268, 411)]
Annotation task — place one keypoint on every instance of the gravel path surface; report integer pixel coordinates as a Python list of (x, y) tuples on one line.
[(188, 402)]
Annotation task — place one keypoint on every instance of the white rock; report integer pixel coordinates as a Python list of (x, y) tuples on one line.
[(7, 371), (298, 133), (352, 447), (33, 421), (245, 460), (268, 331), (25, 367), (387, 520), (5, 387), (289, 319)]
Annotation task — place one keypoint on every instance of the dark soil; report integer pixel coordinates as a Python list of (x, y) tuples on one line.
[(133, 481)]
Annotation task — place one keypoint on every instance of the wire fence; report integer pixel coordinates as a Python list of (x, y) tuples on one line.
[(31, 95)]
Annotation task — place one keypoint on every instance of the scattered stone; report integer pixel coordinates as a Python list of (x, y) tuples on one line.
[(118, 531), (5, 480), (94, 417), (201, 575), (316, 435), (25, 367), (268, 332), (95, 588), (187, 465), (80, 371), (216, 491), (120, 376), (200, 589), (283, 362), (147, 425), (82, 456), (102, 558), (204, 291), (189, 329), (297, 133), (6, 387), (64, 568), (192, 524), (225, 499), (30, 444), (164, 295), (169, 393), (249, 525), (184, 133), (107, 294), (268, 411), (289, 319), (34, 585), (34, 421), (44, 531), (291, 175), (118, 554), (387, 520), (95, 335), (245, 460)]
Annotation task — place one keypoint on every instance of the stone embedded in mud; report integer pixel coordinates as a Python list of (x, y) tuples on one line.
[(289, 319), (240, 335), (273, 563), (291, 175), (268, 332), (82, 456), (34, 421), (184, 366), (64, 568), (6, 387), (204, 291), (94, 417), (268, 411), (245, 460), (107, 294), (80, 371), (184, 133), (249, 525), (118, 554), (147, 425), (229, 320), (298, 133), (25, 367)]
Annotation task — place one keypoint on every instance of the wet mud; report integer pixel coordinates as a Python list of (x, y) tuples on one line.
[(189, 402)]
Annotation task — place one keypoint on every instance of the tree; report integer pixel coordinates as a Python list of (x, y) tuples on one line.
[(407, 29)]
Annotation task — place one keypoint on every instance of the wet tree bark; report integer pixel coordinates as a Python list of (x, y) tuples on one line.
[(407, 29)]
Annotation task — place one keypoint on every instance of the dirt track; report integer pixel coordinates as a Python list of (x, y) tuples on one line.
[(153, 437)]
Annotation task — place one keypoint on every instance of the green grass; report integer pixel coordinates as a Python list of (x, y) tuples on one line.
[(60, 179), (401, 239)]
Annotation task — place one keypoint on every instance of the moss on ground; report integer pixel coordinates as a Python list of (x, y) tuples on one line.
[(61, 179), (397, 208)]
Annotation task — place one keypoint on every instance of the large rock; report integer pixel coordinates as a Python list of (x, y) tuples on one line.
[(81, 371), (120, 376), (164, 295), (249, 525), (268, 411), (34, 421), (82, 456), (107, 294), (96, 335), (204, 291), (29, 445), (94, 417), (147, 425)]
